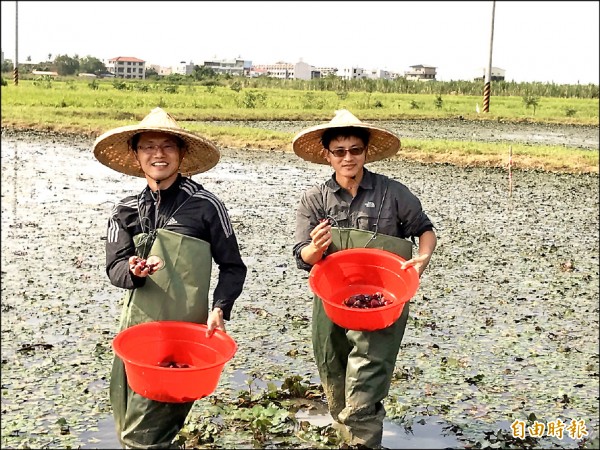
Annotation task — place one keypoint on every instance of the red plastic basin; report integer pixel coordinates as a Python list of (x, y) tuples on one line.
[(144, 347), (363, 271)]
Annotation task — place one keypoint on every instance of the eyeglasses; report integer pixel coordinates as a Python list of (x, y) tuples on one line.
[(341, 152), (167, 147)]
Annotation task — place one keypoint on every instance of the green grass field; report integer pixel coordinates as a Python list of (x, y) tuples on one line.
[(91, 108)]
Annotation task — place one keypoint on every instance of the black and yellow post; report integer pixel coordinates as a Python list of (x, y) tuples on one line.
[(16, 62), (487, 88)]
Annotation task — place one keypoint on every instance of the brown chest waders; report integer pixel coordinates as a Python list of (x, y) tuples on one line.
[(178, 291), (356, 367)]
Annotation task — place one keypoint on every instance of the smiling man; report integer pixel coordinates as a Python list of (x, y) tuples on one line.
[(159, 248), (363, 209)]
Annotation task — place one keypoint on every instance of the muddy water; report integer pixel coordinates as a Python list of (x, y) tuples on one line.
[(505, 322)]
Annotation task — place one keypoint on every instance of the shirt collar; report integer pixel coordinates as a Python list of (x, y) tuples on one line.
[(365, 183), (169, 192)]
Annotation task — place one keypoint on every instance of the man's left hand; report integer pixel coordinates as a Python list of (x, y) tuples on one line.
[(215, 322), (418, 262)]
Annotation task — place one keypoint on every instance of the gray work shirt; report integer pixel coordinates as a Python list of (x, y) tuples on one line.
[(379, 201)]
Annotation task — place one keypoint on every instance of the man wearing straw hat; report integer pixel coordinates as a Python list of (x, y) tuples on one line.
[(364, 209), (160, 246)]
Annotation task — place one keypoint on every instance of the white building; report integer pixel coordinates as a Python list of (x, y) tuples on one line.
[(351, 73), (378, 74), (288, 71), (281, 70), (327, 71), (421, 72), (127, 67), (237, 66), (304, 71), (498, 74), (184, 68)]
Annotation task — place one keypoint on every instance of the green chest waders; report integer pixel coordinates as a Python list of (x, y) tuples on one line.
[(356, 367), (177, 291)]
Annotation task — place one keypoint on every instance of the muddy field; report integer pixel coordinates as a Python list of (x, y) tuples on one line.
[(504, 325), (581, 136)]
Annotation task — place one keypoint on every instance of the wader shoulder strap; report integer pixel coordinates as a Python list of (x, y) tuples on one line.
[(344, 238)]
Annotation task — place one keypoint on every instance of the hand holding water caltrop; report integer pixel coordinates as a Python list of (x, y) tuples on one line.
[(141, 267)]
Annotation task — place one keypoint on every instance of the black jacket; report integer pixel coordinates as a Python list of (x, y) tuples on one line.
[(186, 208)]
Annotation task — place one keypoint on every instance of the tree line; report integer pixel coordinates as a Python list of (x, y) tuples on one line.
[(67, 66)]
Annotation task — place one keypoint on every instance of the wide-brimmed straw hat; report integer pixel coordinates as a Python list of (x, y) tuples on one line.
[(113, 148), (382, 143)]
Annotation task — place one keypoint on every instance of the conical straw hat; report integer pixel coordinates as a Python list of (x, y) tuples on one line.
[(382, 143), (113, 148)]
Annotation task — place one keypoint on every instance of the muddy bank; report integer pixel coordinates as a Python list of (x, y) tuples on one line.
[(577, 136)]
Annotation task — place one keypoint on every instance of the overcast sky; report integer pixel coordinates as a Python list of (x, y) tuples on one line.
[(547, 41)]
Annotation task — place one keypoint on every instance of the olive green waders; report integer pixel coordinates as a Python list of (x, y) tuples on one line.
[(178, 291), (356, 367)]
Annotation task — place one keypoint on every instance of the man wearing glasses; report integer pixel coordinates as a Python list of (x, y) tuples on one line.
[(160, 247), (356, 208)]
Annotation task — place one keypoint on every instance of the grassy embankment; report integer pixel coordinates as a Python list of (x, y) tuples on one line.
[(90, 108)]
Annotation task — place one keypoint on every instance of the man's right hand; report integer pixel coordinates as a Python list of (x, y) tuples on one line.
[(320, 240), (139, 268)]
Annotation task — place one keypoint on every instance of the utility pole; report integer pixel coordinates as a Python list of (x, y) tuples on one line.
[(16, 63), (488, 74)]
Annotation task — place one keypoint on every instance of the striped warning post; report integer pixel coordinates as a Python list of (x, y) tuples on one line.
[(486, 97), (16, 76)]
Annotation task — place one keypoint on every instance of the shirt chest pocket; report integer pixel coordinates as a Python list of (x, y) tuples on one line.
[(367, 220), (340, 216)]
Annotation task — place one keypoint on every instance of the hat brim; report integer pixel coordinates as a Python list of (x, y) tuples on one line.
[(382, 143), (113, 150)]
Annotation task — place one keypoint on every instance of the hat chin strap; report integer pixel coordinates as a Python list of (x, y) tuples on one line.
[(157, 181)]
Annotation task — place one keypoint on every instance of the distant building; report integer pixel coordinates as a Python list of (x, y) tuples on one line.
[(421, 72), (288, 71), (160, 70), (237, 66), (351, 73), (127, 67), (378, 74), (281, 70), (184, 68), (497, 74), (327, 71), (395, 75), (255, 73), (304, 71)]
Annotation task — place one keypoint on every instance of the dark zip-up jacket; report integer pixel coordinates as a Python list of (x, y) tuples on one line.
[(185, 208)]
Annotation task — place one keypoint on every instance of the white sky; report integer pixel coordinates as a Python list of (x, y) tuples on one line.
[(546, 41)]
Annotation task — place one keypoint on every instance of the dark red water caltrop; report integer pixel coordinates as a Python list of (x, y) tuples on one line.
[(173, 364), (375, 300), (143, 264)]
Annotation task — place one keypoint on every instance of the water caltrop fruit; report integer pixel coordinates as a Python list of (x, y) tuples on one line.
[(173, 365), (364, 301), (153, 263)]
